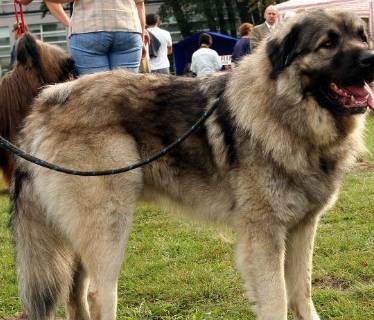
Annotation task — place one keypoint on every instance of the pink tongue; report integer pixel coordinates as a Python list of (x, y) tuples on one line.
[(363, 92)]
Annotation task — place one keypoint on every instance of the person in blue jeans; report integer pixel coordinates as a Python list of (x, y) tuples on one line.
[(101, 51), (105, 35)]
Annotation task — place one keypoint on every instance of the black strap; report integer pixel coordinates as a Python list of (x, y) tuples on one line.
[(5, 144)]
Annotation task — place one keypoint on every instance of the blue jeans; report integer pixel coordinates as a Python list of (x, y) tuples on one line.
[(101, 51)]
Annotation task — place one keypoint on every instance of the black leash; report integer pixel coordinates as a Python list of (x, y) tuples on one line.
[(5, 144)]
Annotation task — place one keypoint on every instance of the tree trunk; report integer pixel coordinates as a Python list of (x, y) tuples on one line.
[(232, 17), (243, 10), (209, 15), (184, 25), (221, 16)]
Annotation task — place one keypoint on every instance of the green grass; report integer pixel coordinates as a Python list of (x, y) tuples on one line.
[(178, 270), (370, 137)]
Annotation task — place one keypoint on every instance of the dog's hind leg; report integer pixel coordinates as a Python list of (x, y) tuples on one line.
[(260, 258), (104, 271), (44, 262), (298, 267), (101, 244), (95, 215), (77, 305)]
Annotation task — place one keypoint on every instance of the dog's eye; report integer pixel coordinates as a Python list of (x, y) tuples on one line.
[(330, 42), (327, 44)]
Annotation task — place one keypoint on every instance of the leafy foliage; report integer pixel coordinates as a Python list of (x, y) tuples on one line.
[(215, 15)]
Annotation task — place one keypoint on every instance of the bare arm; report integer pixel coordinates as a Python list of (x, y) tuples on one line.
[(141, 13), (58, 11), (169, 44)]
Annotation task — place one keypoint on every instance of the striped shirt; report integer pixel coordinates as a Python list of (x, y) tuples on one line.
[(108, 15)]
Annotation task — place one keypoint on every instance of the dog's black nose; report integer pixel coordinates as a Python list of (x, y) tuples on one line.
[(367, 59)]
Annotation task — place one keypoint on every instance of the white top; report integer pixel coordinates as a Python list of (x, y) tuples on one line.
[(205, 61), (161, 61)]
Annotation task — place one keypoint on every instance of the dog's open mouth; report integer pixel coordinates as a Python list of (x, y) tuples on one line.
[(354, 98)]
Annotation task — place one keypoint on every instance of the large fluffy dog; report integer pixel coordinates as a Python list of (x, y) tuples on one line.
[(38, 64), (269, 161)]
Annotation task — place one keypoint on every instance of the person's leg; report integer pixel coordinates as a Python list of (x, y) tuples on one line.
[(163, 71), (126, 51), (90, 51)]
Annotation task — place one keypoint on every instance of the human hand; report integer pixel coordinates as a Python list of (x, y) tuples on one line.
[(146, 38)]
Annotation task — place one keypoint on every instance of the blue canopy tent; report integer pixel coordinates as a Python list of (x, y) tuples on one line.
[(184, 49)]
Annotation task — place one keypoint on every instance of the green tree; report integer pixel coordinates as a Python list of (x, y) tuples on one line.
[(243, 10), (231, 14), (207, 8), (183, 13), (220, 11), (195, 15), (216, 15)]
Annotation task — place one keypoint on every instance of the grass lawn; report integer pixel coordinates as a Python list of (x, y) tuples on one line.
[(180, 270), (369, 136)]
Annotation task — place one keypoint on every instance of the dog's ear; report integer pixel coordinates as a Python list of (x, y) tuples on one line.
[(69, 69), (27, 51), (282, 52), (28, 55)]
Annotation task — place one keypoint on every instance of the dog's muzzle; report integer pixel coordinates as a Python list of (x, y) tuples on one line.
[(366, 60)]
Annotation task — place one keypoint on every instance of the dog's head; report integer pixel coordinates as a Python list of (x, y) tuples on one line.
[(50, 63), (330, 52)]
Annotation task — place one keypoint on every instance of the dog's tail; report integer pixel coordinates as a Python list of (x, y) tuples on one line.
[(44, 262)]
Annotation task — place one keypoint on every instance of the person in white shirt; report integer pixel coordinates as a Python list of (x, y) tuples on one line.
[(205, 61), (159, 62)]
